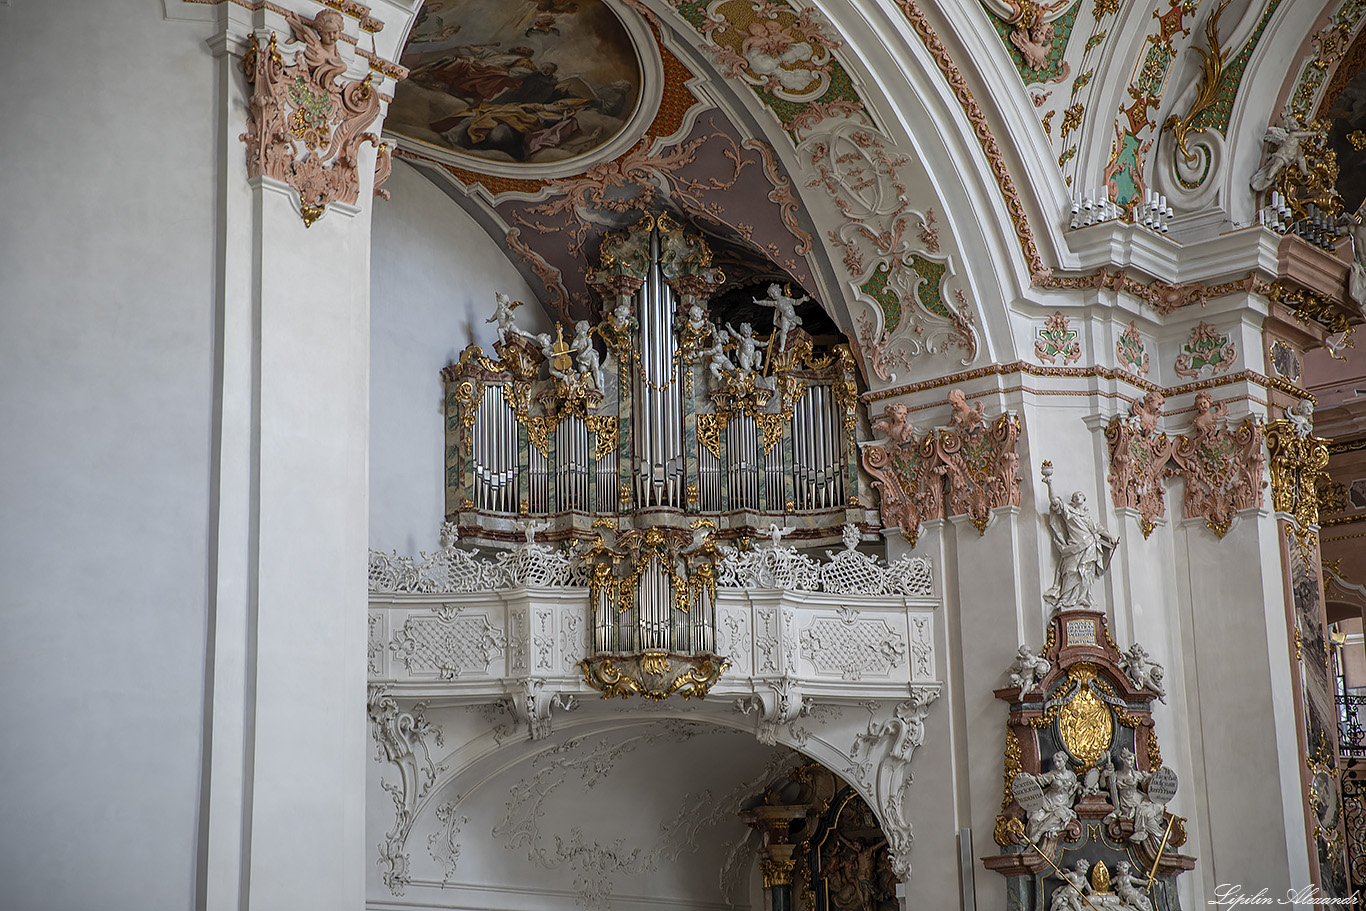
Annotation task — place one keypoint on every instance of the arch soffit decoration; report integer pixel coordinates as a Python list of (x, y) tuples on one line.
[(914, 90), (870, 745)]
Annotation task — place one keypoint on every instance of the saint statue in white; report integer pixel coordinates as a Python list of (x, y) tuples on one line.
[(1084, 548)]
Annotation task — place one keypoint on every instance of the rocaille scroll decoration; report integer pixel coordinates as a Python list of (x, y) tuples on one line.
[(304, 123)]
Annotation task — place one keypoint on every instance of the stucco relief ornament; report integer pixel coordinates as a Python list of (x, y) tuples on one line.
[(1222, 467), (1129, 351), (304, 127), (1057, 339), (1084, 548), (1206, 353), (1138, 460)]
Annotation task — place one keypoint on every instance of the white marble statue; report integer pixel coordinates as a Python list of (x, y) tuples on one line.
[(1028, 669), (777, 534), (1084, 548), (1356, 229), (507, 322), (1142, 670), (1286, 149), (588, 361), (1060, 786), (717, 361), (1071, 896), (1125, 783), (1130, 888), (748, 357), (555, 351), (785, 315), (697, 321), (1301, 418)]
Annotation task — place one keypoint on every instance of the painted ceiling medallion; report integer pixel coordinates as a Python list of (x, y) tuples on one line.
[(526, 88)]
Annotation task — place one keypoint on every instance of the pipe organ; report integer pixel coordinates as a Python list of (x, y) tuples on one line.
[(647, 439)]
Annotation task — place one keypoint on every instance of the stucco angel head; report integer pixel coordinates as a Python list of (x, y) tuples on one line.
[(1203, 402), (329, 25)]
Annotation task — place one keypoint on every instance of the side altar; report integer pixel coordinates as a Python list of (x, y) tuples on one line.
[(1084, 822)]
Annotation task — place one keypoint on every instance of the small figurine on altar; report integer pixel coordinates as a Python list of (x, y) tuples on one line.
[(1054, 813), (588, 362), (1142, 670), (1126, 782), (1130, 888), (1071, 895), (1028, 669), (784, 311), (1084, 548), (747, 355)]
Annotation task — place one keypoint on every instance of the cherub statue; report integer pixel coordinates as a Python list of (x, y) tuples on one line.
[(894, 424), (784, 311), (1130, 889), (507, 323), (1143, 671), (1059, 785), (717, 361), (1287, 149), (1034, 42), (697, 321), (1028, 669), (1084, 548), (748, 358), (1143, 412), (964, 417), (621, 316), (319, 37), (1301, 418), (557, 355), (1207, 415), (1070, 895), (582, 344), (1126, 782)]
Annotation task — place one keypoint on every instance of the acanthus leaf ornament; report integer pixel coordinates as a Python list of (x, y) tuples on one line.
[(304, 126), (880, 760)]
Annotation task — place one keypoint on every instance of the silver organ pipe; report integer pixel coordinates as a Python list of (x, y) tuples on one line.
[(572, 464), (658, 400)]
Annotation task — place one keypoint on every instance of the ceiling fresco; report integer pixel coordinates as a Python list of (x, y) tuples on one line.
[(520, 82), (759, 135)]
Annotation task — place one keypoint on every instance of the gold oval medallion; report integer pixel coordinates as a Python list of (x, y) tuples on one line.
[(1085, 723)]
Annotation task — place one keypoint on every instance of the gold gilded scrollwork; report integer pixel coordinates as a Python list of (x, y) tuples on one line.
[(772, 427), (709, 432), (665, 675), (1212, 68), (1296, 463), (777, 872), (604, 427), (1005, 832)]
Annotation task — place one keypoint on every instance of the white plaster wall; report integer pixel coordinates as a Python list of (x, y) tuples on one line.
[(106, 381), (434, 272)]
